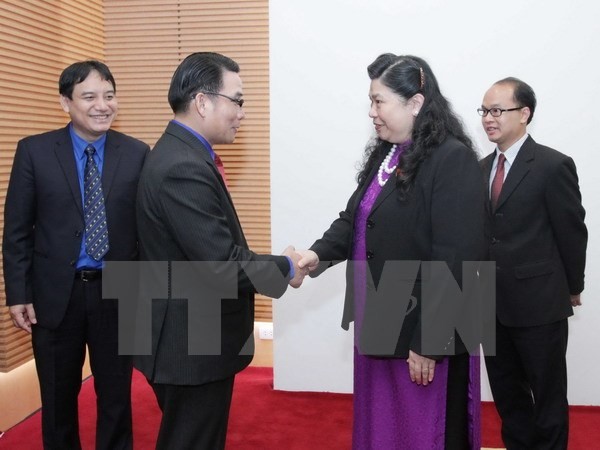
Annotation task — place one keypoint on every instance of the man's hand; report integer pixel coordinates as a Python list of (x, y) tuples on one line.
[(23, 316), (299, 273)]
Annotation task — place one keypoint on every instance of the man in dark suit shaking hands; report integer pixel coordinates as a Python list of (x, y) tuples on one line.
[(70, 207), (186, 218), (538, 239)]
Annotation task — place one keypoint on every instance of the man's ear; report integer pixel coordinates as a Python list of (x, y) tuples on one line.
[(64, 103), (525, 114), (199, 103)]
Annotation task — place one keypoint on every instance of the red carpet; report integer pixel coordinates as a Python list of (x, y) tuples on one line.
[(264, 419)]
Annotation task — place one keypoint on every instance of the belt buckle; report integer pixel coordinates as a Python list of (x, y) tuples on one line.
[(84, 275), (89, 275)]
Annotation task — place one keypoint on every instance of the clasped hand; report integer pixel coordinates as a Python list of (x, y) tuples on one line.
[(304, 261)]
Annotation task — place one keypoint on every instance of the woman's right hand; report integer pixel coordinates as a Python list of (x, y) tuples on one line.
[(309, 260), (421, 368)]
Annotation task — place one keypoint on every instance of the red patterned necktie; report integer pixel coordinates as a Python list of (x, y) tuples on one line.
[(498, 181), (219, 164)]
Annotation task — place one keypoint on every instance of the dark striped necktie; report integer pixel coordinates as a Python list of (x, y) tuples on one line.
[(96, 231)]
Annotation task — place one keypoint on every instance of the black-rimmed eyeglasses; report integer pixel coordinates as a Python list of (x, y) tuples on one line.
[(237, 101), (495, 112)]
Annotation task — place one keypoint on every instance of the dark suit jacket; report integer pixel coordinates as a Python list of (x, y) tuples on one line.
[(537, 237), (441, 220), (185, 213), (43, 217)]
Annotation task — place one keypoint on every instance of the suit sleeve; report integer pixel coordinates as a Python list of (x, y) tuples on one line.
[(334, 246), (563, 200), (19, 219), (196, 218)]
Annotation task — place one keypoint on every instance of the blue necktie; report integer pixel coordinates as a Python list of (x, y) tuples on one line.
[(96, 232)]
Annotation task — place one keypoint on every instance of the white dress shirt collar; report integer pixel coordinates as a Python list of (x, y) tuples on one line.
[(510, 154)]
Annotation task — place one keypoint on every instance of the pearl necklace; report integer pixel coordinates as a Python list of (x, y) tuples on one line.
[(385, 166)]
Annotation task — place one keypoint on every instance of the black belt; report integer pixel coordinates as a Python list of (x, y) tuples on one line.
[(88, 275)]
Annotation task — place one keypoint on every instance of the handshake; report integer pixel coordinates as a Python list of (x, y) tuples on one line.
[(304, 261)]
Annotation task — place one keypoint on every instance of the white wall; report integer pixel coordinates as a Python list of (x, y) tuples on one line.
[(319, 127)]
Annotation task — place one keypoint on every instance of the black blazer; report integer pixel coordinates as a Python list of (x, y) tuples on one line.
[(185, 213), (43, 217), (537, 236), (442, 219)]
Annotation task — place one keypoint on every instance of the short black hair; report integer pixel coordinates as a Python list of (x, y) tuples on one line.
[(198, 72), (523, 94), (78, 72)]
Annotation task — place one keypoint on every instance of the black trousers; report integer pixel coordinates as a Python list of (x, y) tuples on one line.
[(194, 417), (528, 377), (457, 401), (59, 358)]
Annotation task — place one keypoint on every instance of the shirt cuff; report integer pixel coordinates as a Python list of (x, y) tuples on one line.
[(292, 271)]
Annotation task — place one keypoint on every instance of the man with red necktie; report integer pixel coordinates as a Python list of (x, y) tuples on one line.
[(538, 239), (185, 214)]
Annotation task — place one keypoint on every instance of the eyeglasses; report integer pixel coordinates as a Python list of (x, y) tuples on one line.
[(237, 101), (496, 112)]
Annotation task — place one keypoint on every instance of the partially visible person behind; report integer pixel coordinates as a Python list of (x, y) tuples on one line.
[(538, 239), (420, 198), (185, 214), (70, 207)]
